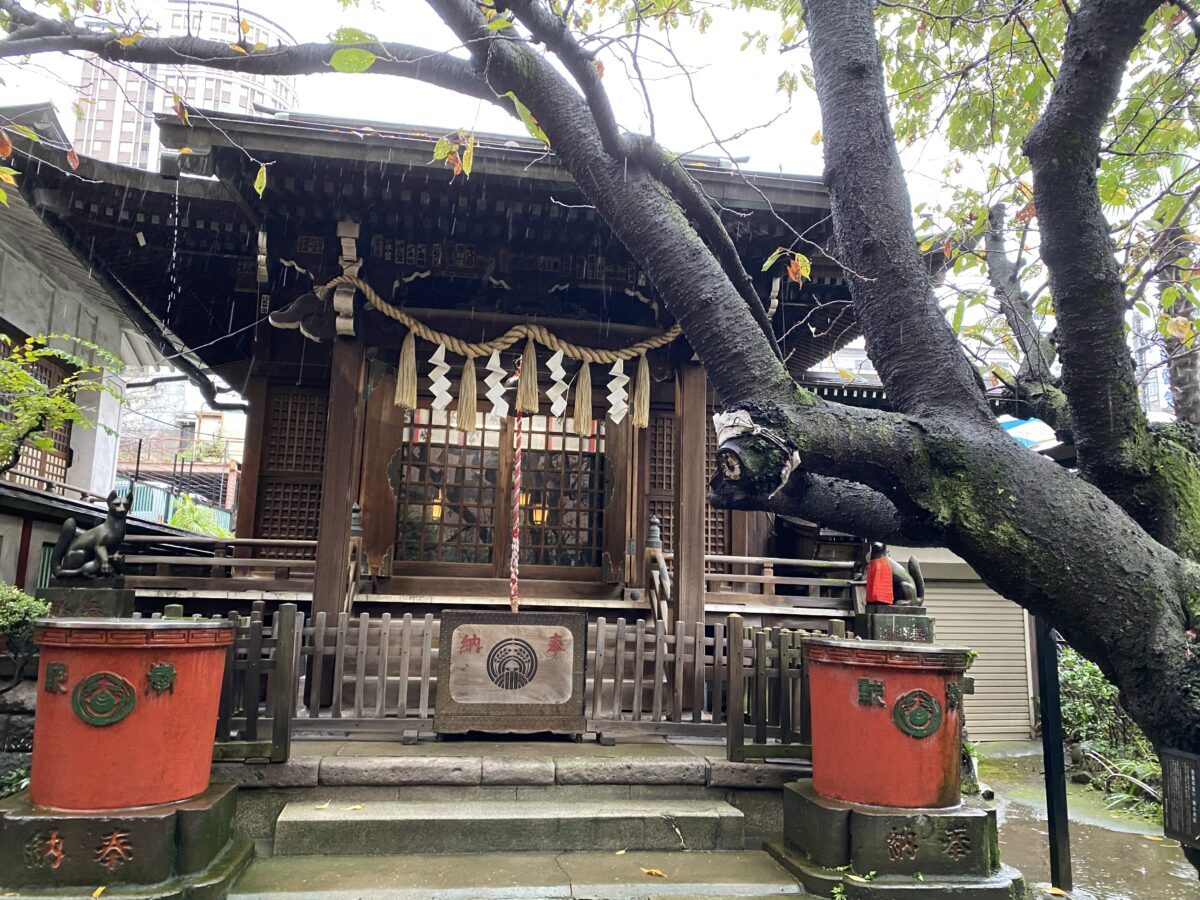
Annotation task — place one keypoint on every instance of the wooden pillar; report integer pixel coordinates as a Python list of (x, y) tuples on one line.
[(691, 487), (338, 481), (252, 453)]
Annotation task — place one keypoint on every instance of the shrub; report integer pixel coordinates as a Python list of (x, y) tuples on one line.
[(190, 516), (17, 613), (1109, 744)]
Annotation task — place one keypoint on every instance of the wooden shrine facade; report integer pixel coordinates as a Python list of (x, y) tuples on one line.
[(206, 266)]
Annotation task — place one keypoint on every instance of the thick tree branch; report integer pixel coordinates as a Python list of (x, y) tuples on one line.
[(700, 210), (638, 207), (404, 60), (1037, 353), (1085, 280), (550, 30), (908, 339)]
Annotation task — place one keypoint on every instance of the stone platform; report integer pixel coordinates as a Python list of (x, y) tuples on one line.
[(508, 771), (183, 851), (880, 853)]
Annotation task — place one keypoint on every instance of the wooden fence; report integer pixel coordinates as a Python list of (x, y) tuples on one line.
[(364, 677)]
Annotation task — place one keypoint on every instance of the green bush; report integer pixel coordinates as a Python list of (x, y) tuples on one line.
[(1108, 744), (190, 516), (17, 613)]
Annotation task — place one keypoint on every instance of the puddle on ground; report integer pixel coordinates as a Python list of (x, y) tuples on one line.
[(1113, 856)]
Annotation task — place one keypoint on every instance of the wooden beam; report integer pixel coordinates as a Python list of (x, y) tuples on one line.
[(691, 422), (346, 412), (252, 453), (383, 436)]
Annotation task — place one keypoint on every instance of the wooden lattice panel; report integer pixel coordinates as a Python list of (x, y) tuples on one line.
[(562, 507), (296, 422), (289, 498), (447, 504), (34, 465), (661, 484), (289, 510)]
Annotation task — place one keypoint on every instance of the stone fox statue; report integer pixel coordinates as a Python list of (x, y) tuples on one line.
[(91, 553), (908, 586)]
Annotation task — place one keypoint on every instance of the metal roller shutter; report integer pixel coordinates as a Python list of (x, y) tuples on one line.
[(969, 614)]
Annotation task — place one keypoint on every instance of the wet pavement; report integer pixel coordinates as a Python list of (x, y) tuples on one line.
[(1114, 856)]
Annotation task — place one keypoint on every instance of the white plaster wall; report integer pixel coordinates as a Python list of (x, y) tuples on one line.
[(45, 302)]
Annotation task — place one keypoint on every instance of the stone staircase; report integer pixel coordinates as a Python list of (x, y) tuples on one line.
[(451, 849)]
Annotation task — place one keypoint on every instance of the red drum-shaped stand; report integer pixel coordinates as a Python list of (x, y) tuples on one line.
[(126, 712), (886, 721)]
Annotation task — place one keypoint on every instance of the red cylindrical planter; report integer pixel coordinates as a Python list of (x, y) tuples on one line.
[(886, 721), (126, 712)]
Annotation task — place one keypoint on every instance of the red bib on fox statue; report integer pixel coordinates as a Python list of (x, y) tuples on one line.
[(879, 576)]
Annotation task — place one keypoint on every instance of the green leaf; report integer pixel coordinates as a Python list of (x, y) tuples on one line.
[(443, 148), (527, 118), (956, 322), (260, 180), (774, 258), (468, 157), (499, 24), (29, 133), (352, 61), (3, 197), (352, 36)]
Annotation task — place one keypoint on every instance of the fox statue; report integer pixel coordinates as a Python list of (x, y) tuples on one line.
[(908, 586), (91, 553)]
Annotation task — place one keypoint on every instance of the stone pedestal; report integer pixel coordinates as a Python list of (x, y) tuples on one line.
[(180, 850), (881, 853), (86, 599), (893, 622)]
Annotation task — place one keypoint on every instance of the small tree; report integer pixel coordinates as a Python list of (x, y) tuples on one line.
[(30, 408), (17, 613), (190, 516)]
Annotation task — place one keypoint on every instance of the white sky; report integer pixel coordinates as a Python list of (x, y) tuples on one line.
[(736, 89)]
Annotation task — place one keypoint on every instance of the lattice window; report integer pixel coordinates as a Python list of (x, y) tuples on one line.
[(289, 500), (661, 485), (289, 510), (449, 489), (562, 505), (296, 425), (34, 465)]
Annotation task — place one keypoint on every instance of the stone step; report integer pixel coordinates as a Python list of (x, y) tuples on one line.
[(501, 876), (484, 826)]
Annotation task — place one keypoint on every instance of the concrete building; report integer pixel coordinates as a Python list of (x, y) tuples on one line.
[(1150, 362), (118, 104)]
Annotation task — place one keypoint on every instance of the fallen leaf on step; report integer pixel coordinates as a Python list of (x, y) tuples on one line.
[(653, 873), (98, 891), (1152, 837), (1056, 892), (620, 853), (854, 877), (324, 805), (356, 806)]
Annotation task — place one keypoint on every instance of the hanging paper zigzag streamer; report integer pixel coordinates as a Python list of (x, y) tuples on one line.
[(618, 397), (439, 383), (557, 392), (495, 383)]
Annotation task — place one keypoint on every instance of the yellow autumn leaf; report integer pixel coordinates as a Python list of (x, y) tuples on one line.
[(356, 806), (245, 26), (324, 805), (1152, 837), (184, 151), (130, 39), (468, 157), (845, 374), (817, 136), (7, 177), (1177, 327), (235, 47), (260, 180), (98, 891), (653, 873), (260, 46), (1056, 892)]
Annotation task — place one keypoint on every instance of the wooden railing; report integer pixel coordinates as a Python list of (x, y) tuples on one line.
[(199, 563), (363, 677)]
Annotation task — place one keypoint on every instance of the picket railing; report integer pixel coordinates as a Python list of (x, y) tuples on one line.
[(364, 677)]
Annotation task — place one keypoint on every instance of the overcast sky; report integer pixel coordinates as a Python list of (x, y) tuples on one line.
[(735, 88)]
